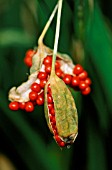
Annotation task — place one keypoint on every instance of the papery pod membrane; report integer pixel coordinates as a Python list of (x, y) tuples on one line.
[(65, 110), (42, 52)]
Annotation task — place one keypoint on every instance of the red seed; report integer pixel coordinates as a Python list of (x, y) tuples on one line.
[(83, 75), (40, 99), (75, 81), (88, 81), (49, 99), (29, 107), (33, 95), (22, 105), (14, 105), (52, 112), (59, 73), (53, 120), (28, 57), (50, 106), (57, 65), (67, 78), (28, 61), (30, 53), (62, 144), (83, 85), (43, 83), (42, 75), (48, 69), (86, 91), (57, 138), (77, 69), (47, 60), (35, 87)]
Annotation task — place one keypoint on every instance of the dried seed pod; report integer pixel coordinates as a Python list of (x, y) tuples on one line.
[(65, 110)]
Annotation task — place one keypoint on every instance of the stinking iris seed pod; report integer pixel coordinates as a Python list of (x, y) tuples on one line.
[(64, 125), (62, 117), (21, 93)]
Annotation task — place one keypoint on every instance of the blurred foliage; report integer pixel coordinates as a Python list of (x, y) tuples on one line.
[(86, 35)]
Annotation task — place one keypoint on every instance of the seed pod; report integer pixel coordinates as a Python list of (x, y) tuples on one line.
[(21, 93), (65, 110)]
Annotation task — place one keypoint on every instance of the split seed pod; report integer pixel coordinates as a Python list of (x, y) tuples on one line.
[(65, 110), (21, 93)]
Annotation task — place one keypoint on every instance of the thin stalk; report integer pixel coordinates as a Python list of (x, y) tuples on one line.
[(40, 40), (57, 34)]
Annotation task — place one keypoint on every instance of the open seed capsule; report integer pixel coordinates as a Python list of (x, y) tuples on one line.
[(63, 123)]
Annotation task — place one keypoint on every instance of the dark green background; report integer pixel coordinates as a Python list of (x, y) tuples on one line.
[(24, 137)]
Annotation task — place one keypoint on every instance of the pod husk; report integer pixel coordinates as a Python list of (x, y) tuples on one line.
[(65, 109)]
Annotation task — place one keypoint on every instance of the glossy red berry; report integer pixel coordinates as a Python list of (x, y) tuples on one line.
[(77, 69), (30, 53), (50, 106), (28, 61), (14, 105), (35, 87), (48, 69), (29, 107), (42, 75), (57, 138), (49, 98), (40, 99), (88, 81), (75, 81), (33, 95), (86, 91), (83, 75), (28, 57), (83, 85), (52, 112), (67, 78), (62, 144), (43, 83), (53, 120), (57, 65), (59, 73), (22, 105), (48, 60)]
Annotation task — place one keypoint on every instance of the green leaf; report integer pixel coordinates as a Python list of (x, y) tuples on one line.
[(99, 46)]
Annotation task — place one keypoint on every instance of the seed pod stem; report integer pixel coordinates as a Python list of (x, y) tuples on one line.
[(40, 40), (57, 34)]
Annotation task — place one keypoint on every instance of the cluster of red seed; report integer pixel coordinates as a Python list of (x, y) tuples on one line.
[(36, 95), (52, 120), (79, 80)]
